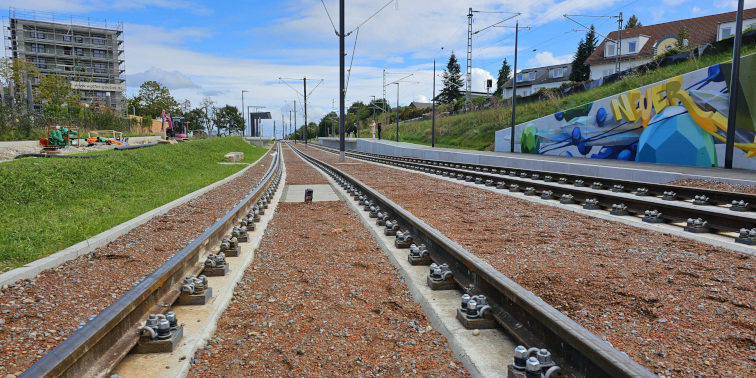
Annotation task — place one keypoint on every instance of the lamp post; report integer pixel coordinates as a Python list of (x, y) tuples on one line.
[(244, 130)]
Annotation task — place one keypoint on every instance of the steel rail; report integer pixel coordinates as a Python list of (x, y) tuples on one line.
[(718, 218), (527, 318), (716, 197), (96, 348)]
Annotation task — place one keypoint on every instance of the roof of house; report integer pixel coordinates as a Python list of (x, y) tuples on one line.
[(420, 105), (542, 75), (701, 30)]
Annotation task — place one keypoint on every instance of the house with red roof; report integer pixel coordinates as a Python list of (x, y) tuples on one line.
[(641, 45)]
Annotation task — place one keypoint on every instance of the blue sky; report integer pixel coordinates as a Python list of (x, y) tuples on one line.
[(217, 49)]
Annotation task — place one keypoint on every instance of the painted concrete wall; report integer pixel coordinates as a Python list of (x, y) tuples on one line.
[(682, 120)]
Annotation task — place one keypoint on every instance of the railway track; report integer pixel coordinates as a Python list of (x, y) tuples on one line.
[(526, 317), (694, 209), (96, 347)]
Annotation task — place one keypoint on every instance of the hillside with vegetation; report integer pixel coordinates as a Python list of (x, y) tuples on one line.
[(475, 130)]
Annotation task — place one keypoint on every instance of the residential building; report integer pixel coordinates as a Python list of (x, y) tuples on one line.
[(530, 80), (641, 45), (87, 52)]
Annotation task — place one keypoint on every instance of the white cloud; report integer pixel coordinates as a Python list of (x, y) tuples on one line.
[(421, 98), (171, 80), (673, 3), (696, 10), (479, 77), (547, 58), (395, 59)]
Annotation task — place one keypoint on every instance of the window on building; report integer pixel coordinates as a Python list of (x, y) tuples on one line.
[(631, 47), (98, 80), (519, 78), (79, 52), (100, 94), (67, 38), (524, 93), (98, 41), (557, 72), (79, 39), (36, 34), (41, 63), (99, 54), (35, 47), (100, 68), (532, 76), (78, 65), (726, 32), (610, 50)]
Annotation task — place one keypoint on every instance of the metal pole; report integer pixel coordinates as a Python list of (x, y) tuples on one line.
[(619, 44), (373, 116), (342, 144), (289, 124), (295, 121), (734, 87), (244, 121), (433, 101), (514, 87), (397, 111), (305, 102)]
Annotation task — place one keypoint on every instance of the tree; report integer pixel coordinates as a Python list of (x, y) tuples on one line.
[(54, 91), (197, 119), (209, 105), (228, 118), (581, 71), (17, 71), (633, 22), (154, 98), (452, 82), (682, 38), (504, 75), (328, 123)]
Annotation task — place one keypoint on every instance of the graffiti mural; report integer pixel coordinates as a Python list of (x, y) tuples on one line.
[(682, 120)]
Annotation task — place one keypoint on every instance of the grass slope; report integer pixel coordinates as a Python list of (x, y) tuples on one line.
[(475, 131), (50, 204)]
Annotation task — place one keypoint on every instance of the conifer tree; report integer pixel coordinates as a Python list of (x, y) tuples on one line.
[(504, 75), (452, 82), (581, 71)]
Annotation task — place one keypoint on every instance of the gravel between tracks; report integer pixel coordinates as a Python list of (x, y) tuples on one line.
[(321, 299), (679, 307), (716, 185), (37, 315)]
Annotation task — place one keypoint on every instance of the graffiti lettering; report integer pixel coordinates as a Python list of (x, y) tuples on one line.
[(633, 107)]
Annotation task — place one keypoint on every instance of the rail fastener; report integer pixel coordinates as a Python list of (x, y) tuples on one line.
[(441, 277)]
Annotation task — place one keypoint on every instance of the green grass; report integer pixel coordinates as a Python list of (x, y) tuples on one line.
[(50, 204), (475, 131)]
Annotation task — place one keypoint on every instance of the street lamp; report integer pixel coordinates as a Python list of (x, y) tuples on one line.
[(242, 109)]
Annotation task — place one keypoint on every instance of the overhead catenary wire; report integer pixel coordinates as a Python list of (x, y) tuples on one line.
[(329, 17), (349, 71), (368, 19)]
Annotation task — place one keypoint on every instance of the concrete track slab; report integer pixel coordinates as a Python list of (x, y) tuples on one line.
[(321, 193)]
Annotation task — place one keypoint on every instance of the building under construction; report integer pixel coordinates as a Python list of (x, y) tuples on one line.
[(88, 52)]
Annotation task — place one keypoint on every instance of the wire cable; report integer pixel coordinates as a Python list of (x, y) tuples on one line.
[(349, 74), (329, 17), (368, 19)]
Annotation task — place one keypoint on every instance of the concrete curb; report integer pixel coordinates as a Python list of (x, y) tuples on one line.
[(31, 270)]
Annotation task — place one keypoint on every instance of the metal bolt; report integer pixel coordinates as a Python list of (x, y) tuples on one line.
[(597, 185), (579, 183), (535, 176), (520, 357), (465, 300)]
